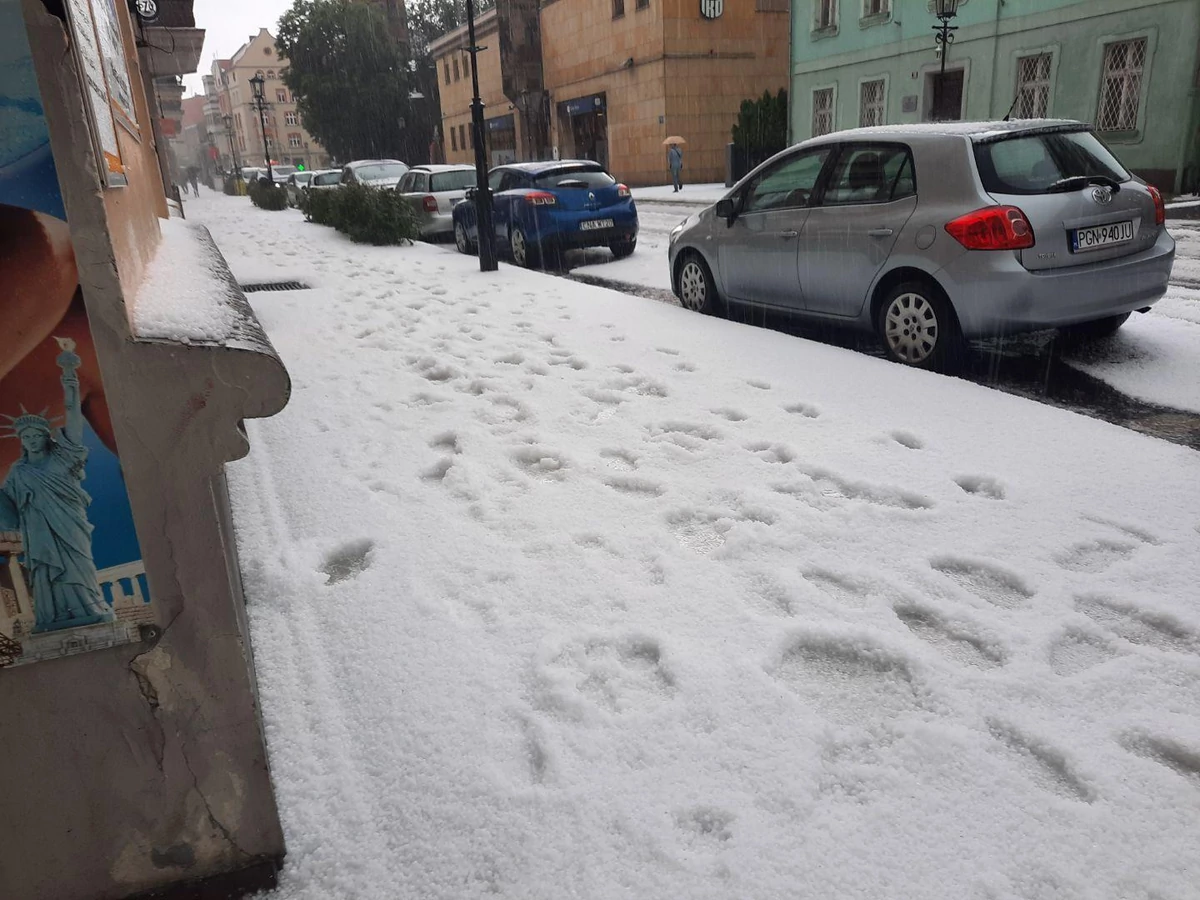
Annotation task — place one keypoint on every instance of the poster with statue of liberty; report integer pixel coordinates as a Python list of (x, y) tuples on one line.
[(71, 575)]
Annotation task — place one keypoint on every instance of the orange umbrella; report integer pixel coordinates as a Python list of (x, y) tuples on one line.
[(674, 139)]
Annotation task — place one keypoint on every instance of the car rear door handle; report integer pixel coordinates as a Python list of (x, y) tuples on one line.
[(788, 235), (880, 232)]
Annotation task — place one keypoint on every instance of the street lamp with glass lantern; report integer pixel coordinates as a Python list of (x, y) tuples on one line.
[(485, 236), (233, 160), (260, 103), (945, 10)]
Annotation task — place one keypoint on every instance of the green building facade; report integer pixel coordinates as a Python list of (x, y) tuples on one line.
[(1129, 67)]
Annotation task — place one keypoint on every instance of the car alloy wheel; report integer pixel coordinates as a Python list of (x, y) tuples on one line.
[(520, 251), (693, 286), (911, 328), (460, 238)]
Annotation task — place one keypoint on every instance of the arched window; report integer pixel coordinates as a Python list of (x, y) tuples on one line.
[(270, 73)]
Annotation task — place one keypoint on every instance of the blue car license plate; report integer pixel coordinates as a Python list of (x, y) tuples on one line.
[(595, 224), (1099, 236)]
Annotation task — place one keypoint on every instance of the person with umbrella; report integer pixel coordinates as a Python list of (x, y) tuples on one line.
[(675, 161)]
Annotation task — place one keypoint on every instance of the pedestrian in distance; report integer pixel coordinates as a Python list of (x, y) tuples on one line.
[(675, 162), (194, 182)]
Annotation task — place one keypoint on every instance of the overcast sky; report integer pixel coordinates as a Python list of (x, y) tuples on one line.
[(227, 25)]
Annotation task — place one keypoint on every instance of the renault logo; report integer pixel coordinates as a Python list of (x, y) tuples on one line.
[(1101, 195), (591, 196)]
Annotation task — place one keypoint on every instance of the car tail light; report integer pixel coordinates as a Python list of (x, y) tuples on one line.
[(1160, 210), (540, 198), (430, 204), (992, 228), (623, 191)]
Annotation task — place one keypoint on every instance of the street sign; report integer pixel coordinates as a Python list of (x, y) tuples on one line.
[(711, 9)]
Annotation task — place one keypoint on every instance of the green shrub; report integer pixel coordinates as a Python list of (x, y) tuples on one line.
[(230, 186), (267, 196), (366, 215), (319, 206)]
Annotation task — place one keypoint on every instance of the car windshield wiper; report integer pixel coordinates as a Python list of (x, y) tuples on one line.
[(1079, 182)]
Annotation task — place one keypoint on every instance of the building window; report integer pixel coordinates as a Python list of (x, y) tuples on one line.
[(270, 73), (446, 67), (453, 139), (1033, 86), (457, 74), (294, 141), (618, 8), (876, 7), (870, 103), (1121, 86), (242, 143), (822, 111), (281, 96), (462, 136), (643, 4), (291, 118), (826, 13)]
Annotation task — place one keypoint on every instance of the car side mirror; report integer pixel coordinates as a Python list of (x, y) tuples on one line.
[(726, 210), (471, 193)]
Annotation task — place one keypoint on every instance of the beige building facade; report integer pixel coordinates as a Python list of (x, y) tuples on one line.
[(622, 75), (288, 142)]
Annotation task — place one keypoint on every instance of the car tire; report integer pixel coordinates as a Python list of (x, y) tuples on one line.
[(697, 290), (1094, 330), (461, 241), (917, 327), (524, 253), (622, 249)]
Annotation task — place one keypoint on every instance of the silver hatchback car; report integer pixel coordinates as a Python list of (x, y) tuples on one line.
[(932, 234)]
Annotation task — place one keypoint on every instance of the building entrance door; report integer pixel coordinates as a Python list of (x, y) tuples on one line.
[(586, 121), (946, 96)]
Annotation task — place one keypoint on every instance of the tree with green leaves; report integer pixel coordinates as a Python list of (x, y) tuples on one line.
[(351, 81), (761, 129)]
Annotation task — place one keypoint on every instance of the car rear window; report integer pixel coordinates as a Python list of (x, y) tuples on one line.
[(1034, 163), (375, 173), (591, 178), (452, 181)]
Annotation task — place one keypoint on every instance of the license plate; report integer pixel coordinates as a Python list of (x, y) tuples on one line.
[(594, 224), (1098, 236)]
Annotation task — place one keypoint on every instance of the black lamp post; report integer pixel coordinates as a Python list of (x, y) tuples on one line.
[(260, 103), (945, 10), (233, 160), (485, 235)]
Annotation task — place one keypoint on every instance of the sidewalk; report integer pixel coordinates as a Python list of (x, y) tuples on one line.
[(557, 592), (691, 195)]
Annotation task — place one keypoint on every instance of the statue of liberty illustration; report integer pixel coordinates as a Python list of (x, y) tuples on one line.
[(44, 489)]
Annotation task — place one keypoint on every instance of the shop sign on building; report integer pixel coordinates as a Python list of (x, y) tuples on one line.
[(711, 9)]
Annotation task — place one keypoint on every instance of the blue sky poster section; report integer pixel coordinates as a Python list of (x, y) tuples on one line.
[(29, 180)]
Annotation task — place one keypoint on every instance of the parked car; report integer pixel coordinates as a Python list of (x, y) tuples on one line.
[(435, 191), (540, 208), (380, 173), (281, 174), (252, 173), (931, 234), (296, 184), (325, 180)]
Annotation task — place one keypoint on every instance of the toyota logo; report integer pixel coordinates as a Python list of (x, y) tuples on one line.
[(1103, 196)]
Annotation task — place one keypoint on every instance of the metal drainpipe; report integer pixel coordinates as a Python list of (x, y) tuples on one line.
[(995, 62), (791, 79)]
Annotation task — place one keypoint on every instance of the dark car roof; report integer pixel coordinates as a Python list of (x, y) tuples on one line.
[(541, 168)]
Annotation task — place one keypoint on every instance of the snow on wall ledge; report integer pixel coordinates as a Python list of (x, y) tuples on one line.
[(189, 295)]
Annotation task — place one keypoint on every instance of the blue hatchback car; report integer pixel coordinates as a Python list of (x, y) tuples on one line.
[(539, 208)]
